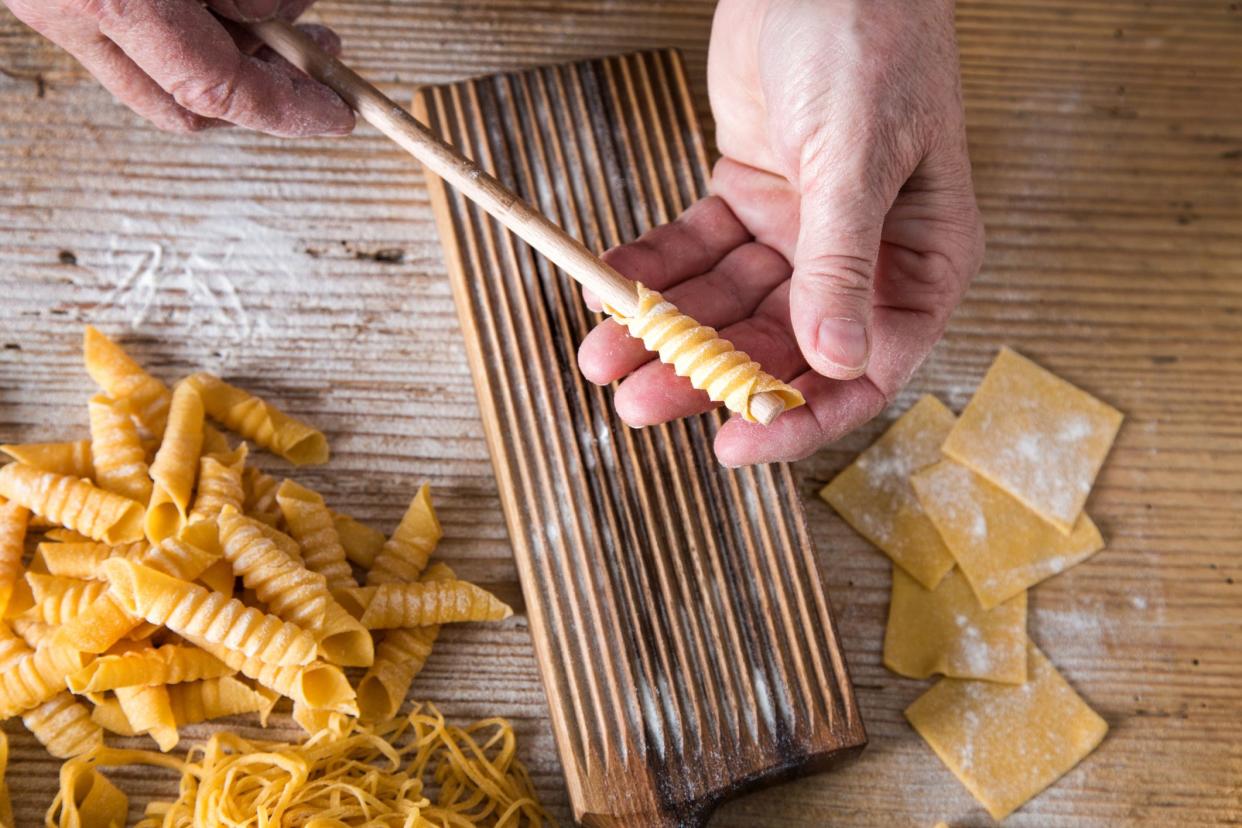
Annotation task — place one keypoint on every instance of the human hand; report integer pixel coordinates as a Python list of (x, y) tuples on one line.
[(184, 69), (842, 230)]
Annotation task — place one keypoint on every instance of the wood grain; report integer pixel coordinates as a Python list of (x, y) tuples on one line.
[(685, 642), (1106, 137)]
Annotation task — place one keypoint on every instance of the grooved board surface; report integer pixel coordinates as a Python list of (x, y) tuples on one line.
[(683, 635), (1106, 137)]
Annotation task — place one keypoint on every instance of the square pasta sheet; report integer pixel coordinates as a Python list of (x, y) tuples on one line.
[(1006, 743), (947, 631), (1036, 437), (1001, 546), (874, 496)]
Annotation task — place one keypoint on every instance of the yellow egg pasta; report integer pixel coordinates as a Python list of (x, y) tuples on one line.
[(13, 521), (260, 501), (72, 459), (6, 802), (82, 559), (219, 484), (317, 685), (87, 799), (169, 664), (107, 713), (198, 701), (192, 611), (405, 554), (73, 503), (176, 465), (33, 632), (149, 710), (123, 379), (288, 589), (361, 542), (423, 604), (60, 534), (311, 525), (63, 726), (399, 657), (117, 451), (261, 422), (58, 600), (219, 577), (37, 676), (344, 640), (12, 647)]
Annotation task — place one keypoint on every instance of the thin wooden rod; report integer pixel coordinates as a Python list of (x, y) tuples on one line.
[(377, 109)]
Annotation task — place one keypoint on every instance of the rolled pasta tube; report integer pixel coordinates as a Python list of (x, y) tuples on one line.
[(59, 600), (425, 603), (260, 501), (219, 577), (318, 685), (116, 449), (399, 657), (166, 665), (312, 526), (72, 459), (215, 698), (219, 484), (82, 559), (192, 611), (344, 640), (63, 726), (261, 422), (404, 556), (73, 503), (60, 534), (149, 711), (37, 676), (33, 632), (109, 715), (14, 519), (122, 378), (699, 354), (12, 647), (176, 465), (288, 589), (361, 542)]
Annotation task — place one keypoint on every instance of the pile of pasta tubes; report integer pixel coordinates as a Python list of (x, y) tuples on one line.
[(172, 582)]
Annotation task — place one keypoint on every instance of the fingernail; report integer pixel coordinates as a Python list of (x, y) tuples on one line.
[(843, 342)]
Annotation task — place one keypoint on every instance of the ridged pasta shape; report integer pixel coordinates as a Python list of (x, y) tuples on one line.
[(109, 715), (33, 632), (198, 701), (318, 685), (169, 664), (261, 422), (192, 611), (60, 534), (149, 710), (260, 502), (122, 378), (14, 518), (219, 484), (399, 657), (37, 676), (288, 589), (70, 458), (12, 647), (64, 726), (699, 354), (361, 542), (82, 559), (176, 465), (73, 503), (117, 451), (59, 600), (405, 554), (311, 525), (425, 603)]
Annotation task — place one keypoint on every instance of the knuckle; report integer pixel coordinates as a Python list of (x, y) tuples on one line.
[(210, 98), (839, 273)]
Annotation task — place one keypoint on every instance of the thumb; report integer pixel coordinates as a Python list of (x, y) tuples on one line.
[(830, 297)]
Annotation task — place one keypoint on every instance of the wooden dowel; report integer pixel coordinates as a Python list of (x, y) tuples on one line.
[(377, 109)]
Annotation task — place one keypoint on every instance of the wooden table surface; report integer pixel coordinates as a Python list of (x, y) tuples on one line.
[(1107, 143)]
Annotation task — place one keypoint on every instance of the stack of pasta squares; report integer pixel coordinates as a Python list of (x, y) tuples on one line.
[(174, 582), (974, 511)]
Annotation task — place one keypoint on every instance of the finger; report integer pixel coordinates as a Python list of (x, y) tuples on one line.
[(190, 55), (841, 213), (726, 294), (764, 202), (833, 408), (245, 10), (655, 394), (687, 246)]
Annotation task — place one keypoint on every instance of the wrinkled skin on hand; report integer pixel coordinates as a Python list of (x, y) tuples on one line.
[(184, 69), (842, 228)]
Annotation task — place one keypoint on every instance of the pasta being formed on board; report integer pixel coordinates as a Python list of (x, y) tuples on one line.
[(172, 583)]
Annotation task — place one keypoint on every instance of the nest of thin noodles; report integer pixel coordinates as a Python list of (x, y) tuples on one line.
[(408, 772)]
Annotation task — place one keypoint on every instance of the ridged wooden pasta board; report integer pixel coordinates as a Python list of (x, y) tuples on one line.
[(683, 635)]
